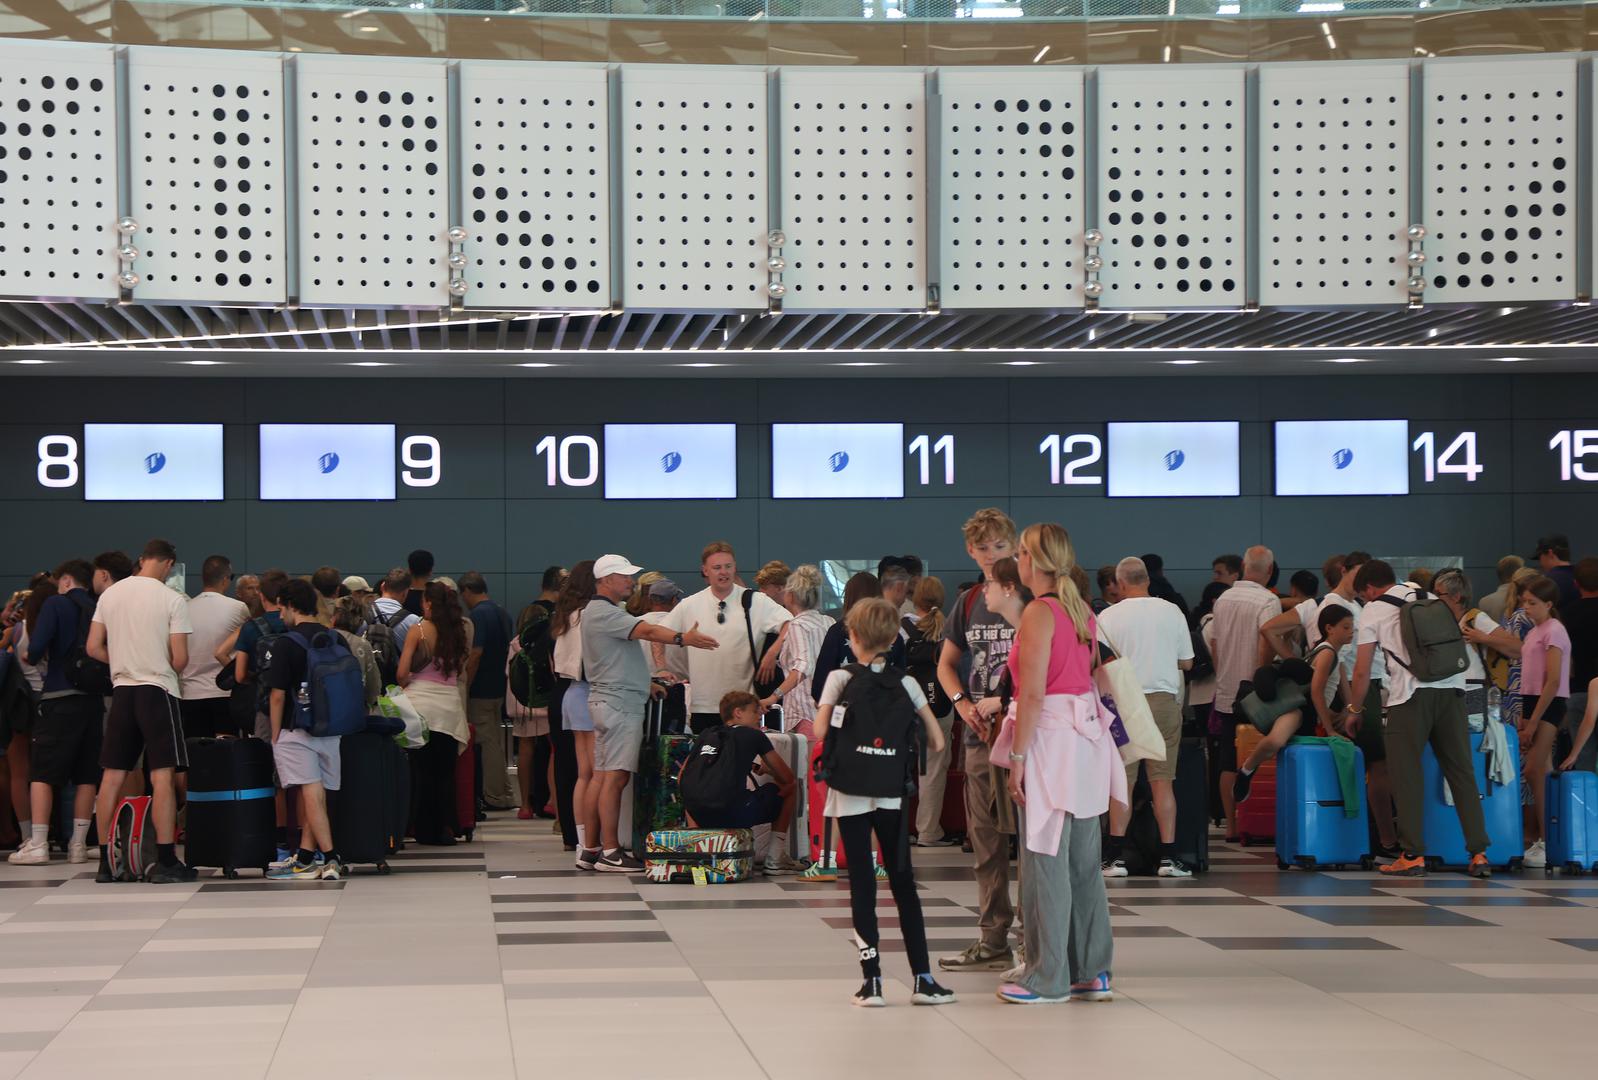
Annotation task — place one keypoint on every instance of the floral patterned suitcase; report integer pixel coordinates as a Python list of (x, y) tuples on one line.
[(724, 855)]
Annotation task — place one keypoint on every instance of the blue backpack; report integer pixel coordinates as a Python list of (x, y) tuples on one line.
[(332, 700)]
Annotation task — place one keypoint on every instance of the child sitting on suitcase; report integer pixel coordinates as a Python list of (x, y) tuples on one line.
[(1318, 683), (869, 716), (715, 780)]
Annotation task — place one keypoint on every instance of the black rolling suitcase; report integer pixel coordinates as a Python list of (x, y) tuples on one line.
[(232, 819), (373, 803), (1192, 805)]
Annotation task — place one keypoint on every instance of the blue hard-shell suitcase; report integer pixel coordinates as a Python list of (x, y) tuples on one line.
[(1500, 803), (1312, 828), (1571, 832)]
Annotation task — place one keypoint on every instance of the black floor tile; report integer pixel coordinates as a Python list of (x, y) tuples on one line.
[(1385, 915), (1586, 944), (1494, 901), (563, 898), (592, 937), (573, 916), (1188, 901), (721, 905), (271, 886), (1329, 944)]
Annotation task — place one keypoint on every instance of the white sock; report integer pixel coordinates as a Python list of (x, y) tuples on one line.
[(80, 830), (582, 838), (40, 834), (778, 846)]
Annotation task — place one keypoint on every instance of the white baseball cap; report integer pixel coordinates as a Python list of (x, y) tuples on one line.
[(606, 565)]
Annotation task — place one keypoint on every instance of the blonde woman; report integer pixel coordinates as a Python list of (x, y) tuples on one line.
[(1064, 771), (801, 595)]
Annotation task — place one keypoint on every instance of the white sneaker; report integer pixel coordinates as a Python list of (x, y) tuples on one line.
[(77, 852), (1536, 857), (31, 854), (1174, 868), (1115, 868), (782, 864)]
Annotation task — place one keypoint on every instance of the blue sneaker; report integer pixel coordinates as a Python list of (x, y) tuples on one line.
[(1096, 989), (284, 857), (1016, 994), (295, 870)]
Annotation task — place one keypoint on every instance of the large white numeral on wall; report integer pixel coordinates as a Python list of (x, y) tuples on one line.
[(1062, 468), (560, 459), (924, 448), (58, 452), (424, 461), (1573, 446), (1445, 464)]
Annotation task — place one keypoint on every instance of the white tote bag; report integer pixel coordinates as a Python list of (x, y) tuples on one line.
[(1120, 695)]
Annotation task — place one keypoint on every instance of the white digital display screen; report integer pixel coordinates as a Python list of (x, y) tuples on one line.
[(327, 461), (671, 461), (1342, 457), (837, 461), (152, 461), (1177, 459)]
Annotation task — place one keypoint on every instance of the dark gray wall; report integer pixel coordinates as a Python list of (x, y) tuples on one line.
[(492, 511)]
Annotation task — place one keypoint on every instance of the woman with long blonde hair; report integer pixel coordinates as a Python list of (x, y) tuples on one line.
[(1064, 770)]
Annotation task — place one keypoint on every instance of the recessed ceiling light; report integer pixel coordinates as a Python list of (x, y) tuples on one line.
[(1509, 359), (861, 363), (1184, 363), (1021, 363), (33, 360), (535, 364), (1347, 360), (702, 364), (369, 363), (369, 29), (200, 363)]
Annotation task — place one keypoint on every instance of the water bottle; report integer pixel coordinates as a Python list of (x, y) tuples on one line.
[(1495, 699), (303, 697)]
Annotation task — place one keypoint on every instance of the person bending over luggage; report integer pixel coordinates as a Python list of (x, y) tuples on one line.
[(303, 760), (866, 719), (1275, 684), (715, 780)]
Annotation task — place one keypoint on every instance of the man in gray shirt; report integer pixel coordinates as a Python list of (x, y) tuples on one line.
[(618, 689)]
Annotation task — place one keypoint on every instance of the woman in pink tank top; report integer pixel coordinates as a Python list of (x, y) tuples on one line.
[(1064, 770)]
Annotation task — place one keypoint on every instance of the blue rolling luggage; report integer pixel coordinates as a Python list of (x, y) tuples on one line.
[(1571, 832), (1312, 826), (1500, 803)]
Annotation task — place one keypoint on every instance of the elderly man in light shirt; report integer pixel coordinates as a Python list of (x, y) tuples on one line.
[(1238, 650)]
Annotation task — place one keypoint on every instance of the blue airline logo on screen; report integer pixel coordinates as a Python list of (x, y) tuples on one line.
[(671, 461), (838, 461), (327, 462), (1343, 458), (154, 463), (1173, 460)]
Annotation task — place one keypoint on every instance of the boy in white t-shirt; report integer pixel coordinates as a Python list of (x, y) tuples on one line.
[(873, 626)]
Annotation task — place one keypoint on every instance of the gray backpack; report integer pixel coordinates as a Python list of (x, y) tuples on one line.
[(1432, 638)]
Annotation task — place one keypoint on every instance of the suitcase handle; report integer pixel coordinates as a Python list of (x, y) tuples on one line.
[(1329, 802)]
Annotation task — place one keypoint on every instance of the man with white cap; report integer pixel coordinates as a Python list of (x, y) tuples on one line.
[(618, 690), (357, 587)]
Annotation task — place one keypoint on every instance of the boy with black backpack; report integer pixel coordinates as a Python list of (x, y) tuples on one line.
[(715, 780), (872, 718)]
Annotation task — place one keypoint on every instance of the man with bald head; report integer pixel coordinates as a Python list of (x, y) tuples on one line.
[(1238, 649)]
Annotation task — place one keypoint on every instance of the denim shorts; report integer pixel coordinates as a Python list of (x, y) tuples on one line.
[(574, 708)]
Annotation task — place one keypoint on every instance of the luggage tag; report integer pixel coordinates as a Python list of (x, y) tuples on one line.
[(837, 716), (699, 876)]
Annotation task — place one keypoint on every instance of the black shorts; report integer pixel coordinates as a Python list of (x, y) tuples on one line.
[(206, 718), (144, 719), (762, 806), (1554, 715), (1225, 726), (66, 740)]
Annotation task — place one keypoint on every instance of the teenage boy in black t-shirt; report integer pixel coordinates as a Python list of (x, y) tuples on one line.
[(768, 804)]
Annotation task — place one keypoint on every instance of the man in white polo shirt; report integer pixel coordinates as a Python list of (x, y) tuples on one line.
[(720, 611), (1239, 650), (1152, 636), (1418, 714)]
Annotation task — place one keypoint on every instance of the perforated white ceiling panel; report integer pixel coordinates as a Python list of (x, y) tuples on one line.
[(207, 167), (536, 174), (1334, 183), (58, 170), (1171, 185), (854, 188), (694, 164), (1500, 170), (373, 191), (1011, 188)]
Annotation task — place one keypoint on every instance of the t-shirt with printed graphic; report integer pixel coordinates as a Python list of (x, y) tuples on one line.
[(984, 639)]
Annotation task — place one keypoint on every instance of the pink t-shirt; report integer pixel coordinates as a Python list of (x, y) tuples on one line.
[(1070, 661), (1534, 658)]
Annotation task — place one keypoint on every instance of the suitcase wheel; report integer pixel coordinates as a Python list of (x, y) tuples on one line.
[(1433, 862), (1518, 863), (1367, 862), (230, 874), (383, 868), (1283, 864), (1306, 862)]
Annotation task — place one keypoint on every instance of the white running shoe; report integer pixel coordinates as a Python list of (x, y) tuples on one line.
[(1536, 857), (30, 854), (77, 851), (1113, 868)]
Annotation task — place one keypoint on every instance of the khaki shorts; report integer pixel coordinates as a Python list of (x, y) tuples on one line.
[(1168, 718)]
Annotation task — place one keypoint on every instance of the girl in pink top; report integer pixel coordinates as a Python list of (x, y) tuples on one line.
[(1544, 689), (1064, 770)]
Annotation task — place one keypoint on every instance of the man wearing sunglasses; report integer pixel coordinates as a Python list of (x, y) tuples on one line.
[(740, 621)]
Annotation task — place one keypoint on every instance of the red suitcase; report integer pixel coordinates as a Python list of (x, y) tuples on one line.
[(1256, 815), (816, 802), (466, 789)]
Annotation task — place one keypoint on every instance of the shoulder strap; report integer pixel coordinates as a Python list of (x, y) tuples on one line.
[(1395, 601), (970, 602), (748, 602), (85, 617), (394, 618)]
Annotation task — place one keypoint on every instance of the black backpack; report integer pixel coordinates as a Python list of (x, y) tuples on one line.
[(713, 776), (877, 750), (257, 663), (532, 669), (758, 650), (83, 672), (921, 652), (1203, 663), (379, 634)]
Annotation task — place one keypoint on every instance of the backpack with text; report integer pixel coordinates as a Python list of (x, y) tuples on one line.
[(921, 652), (84, 673), (713, 777), (875, 749), (1432, 640), (532, 666), (332, 700), (379, 634)]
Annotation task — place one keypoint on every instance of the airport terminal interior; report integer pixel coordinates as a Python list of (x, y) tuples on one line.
[(772, 538)]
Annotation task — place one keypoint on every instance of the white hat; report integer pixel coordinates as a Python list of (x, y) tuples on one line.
[(607, 565), (354, 583)]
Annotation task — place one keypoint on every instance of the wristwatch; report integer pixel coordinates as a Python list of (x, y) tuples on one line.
[(956, 699), (678, 639), (1018, 758)]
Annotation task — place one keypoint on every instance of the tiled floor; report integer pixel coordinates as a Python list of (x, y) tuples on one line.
[(495, 960)]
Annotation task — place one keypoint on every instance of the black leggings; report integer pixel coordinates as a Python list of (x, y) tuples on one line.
[(855, 833), (433, 791), (563, 744)]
